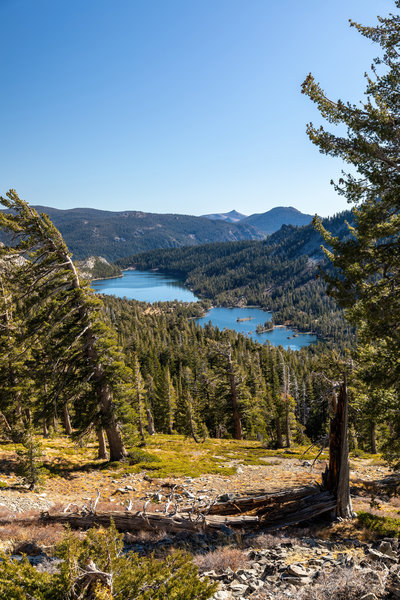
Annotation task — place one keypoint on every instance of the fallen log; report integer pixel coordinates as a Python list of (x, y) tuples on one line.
[(137, 521), (241, 505), (307, 514), (270, 511)]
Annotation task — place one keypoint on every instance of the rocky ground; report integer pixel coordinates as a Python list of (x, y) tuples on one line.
[(313, 569), (319, 561)]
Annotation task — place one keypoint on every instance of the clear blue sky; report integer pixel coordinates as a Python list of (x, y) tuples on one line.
[(186, 106)]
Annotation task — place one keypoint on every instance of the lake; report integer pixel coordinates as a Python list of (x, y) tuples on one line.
[(280, 336), (146, 286), (151, 286)]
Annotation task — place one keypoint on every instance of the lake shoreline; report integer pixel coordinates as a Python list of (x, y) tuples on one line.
[(280, 326), (105, 278), (152, 287)]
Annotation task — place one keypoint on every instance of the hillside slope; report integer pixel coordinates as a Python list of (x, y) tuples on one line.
[(232, 216), (273, 219), (279, 274), (90, 232)]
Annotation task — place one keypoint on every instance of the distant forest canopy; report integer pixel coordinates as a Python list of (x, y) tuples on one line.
[(278, 274)]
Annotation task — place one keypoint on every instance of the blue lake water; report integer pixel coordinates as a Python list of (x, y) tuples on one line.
[(150, 286), (146, 286), (280, 336)]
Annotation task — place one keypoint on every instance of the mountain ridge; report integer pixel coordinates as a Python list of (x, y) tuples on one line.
[(233, 216), (267, 222), (115, 234)]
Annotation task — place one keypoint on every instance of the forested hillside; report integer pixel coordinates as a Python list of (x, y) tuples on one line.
[(90, 232), (100, 363), (184, 375), (279, 274)]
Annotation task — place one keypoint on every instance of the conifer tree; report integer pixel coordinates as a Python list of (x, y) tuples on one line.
[(62, 322), (366, 279)]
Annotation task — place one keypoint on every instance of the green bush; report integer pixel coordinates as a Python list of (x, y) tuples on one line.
[(97, 568), (387, 526), (20, 581), (137, 455)]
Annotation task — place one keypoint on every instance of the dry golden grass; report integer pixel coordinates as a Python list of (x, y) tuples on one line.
[(221, 559)]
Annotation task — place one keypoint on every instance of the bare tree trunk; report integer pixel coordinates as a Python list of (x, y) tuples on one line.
[(279, 440), (373, 437), (150, 422), (102, 450), (45, 429), (287, 422), (337, 477), (113, 433), (66, 420)]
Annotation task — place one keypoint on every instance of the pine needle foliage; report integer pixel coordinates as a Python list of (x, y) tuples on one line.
[(97, 568), (62, 341), (366, 278)]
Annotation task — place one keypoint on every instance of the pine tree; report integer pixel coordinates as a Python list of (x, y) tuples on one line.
[(366, 276), (139, 393), (366, 281), (63, 325)]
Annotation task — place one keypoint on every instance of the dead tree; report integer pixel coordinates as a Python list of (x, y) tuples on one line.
[(336, 478)]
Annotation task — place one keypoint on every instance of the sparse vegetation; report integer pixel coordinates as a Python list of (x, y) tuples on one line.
[(385, 526), (221, 559), (96, 567)]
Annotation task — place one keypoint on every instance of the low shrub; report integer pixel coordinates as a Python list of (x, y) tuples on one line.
[(386, 526), (96, 567), (221, 559), (137, 455)]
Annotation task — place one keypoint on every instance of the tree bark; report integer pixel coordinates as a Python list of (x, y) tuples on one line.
[(102, 450), (113, 433), (67, 420), (337, 477), (150, 422), (54, 423)]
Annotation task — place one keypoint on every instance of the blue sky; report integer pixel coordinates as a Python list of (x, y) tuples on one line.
[(185, 106)]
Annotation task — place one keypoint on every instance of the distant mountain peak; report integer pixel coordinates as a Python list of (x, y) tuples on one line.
[(233, 216), (273, 219)]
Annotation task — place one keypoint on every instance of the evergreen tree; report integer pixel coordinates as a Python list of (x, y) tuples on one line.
[(74, 353), (366, 279)]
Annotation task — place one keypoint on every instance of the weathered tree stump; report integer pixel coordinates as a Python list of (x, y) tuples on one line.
[(336, 478)]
